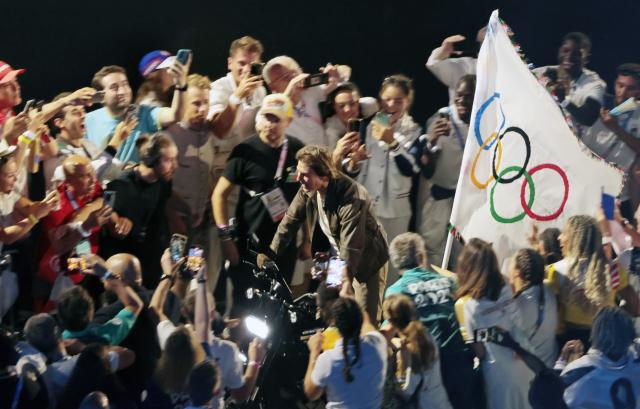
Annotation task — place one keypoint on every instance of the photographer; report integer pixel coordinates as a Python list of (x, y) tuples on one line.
[(345, 214), (441, 159), (74, 228)]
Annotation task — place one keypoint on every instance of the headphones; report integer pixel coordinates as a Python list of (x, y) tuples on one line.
[(150, 152)]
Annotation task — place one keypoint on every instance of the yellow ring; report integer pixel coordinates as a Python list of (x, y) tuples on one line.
[(474, 180)]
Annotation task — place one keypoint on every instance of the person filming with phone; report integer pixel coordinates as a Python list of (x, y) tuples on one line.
[(74, 229), (345, 214)]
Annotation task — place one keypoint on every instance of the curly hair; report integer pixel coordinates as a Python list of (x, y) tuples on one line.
[(587, 263)]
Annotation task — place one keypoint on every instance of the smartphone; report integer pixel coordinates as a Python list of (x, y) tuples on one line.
[(39, 105), (109, 198), (131, 111), (194, 258), (335, 272), (382, 118), (76, 264), (608, 205), (183, 56), (101, 272), (176, 245), (28, 105), (492, 334), (98, 97), (468, 47), (316, 79), (256, 69), (353, 125)]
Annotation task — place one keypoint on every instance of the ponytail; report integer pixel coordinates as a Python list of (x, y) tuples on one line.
[(420, 345), (348, 320)]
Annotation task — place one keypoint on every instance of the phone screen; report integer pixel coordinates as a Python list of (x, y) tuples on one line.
[(334, 273), (194, 258), (183, 56), (177, 245), (76, 264), (382, 118), (608, 205)]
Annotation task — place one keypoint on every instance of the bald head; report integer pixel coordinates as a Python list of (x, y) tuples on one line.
[(72, 164), (127, 267)]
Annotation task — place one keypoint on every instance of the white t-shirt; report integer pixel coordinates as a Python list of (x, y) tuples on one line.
[(307, 120), (225, 354), (245, 122), (324, 225), (506, 377), (365, 391)]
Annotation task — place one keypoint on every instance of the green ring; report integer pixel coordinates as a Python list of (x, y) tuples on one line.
[(521, 216)]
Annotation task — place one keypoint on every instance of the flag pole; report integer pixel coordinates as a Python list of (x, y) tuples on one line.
[(447, 250)]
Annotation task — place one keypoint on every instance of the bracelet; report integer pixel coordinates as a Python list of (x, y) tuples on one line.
[(33, 219), (24, 140), (255, 364), (233, 99), (394, 144), (182, 88), (168, 277), (606, 240)]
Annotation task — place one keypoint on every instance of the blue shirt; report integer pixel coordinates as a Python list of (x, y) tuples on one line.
[(101, 125)]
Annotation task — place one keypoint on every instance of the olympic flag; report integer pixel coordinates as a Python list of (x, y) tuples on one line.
[(521, 160)]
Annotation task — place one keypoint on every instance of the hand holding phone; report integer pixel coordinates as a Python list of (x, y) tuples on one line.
[(183, 56), (256, 69), (316, 79), (353, 125), (335, 272), (109, 198), (177, 246)]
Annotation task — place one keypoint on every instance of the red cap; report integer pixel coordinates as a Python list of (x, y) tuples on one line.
[(7, 73)]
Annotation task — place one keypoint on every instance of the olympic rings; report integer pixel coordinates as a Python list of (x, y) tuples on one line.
[(475, 180), (498, 176), (483, 107), (519, 217), (565, 182), (527, 145)]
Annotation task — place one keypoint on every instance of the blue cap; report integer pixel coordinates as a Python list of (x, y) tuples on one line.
[(151, 61)]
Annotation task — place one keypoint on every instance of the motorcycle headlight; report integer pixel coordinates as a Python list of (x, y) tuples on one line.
[(257, 327)]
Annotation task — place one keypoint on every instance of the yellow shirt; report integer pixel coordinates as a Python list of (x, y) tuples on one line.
[(574, 314)]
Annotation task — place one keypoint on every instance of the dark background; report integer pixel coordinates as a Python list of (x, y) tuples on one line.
[(62, 43)]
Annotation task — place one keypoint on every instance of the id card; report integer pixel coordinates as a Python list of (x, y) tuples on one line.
[(275, 203)]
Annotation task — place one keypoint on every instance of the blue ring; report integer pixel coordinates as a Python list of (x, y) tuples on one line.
[(483, 107)]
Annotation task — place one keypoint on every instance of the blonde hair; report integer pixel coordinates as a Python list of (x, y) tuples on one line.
[(584, 251), (71, 163), (401, 312), (199, 81), (246, 43)]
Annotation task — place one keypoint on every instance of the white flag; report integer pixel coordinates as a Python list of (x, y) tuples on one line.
[(521, 161)]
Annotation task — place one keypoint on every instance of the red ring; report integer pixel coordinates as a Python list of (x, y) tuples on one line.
[(565, 181)]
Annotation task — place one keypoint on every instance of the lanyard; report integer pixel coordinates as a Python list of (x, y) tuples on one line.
[(283, 158), (72, 200), (458, 136)]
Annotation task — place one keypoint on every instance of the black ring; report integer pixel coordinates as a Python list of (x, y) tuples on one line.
[(523, 168)]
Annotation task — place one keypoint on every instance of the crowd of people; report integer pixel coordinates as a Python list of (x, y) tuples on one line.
[(101, 308)]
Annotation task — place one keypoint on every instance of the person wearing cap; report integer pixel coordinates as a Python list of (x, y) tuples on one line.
[(43, 333), (264, 167), (101, 123), (283, 74), (616, 138), (156, 89)]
